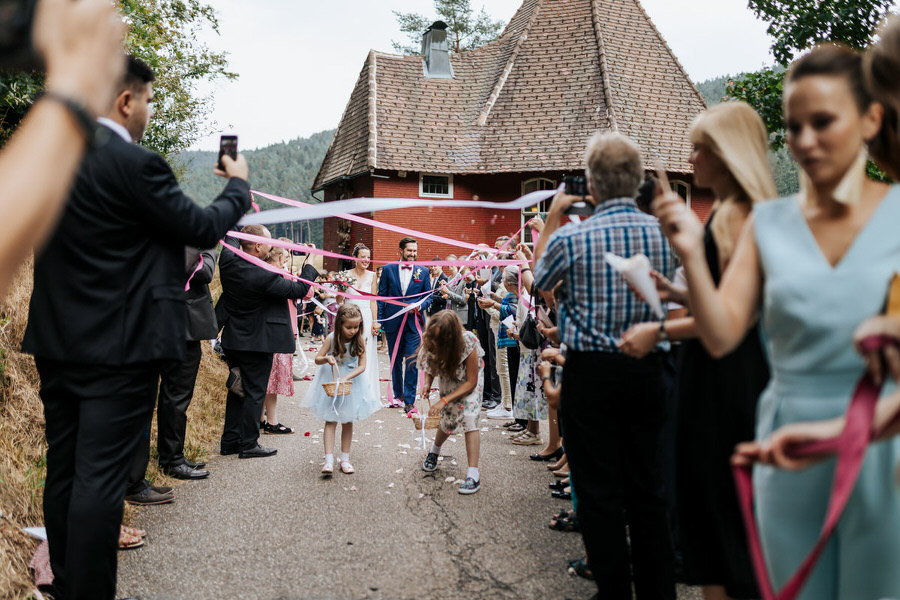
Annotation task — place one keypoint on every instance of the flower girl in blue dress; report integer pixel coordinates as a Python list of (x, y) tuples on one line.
[(342, 358)]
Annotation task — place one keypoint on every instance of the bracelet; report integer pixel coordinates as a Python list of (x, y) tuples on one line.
[(444, 400), (546, 378), (525, 269), (85, 122)]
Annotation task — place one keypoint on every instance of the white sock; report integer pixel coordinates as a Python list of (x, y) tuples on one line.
[(435, 449), (345, 457), (473, 473), (329, 459)]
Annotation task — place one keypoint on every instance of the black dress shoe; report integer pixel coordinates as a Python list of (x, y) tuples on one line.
[(552, 456), (148, 497), (183, 471), (258, 452), (226, 450), (162, 489), (195, 465)]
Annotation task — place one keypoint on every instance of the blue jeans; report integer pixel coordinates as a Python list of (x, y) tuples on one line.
[(409, 342)]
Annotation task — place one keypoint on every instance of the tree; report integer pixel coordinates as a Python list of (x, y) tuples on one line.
[(796, 25), (163, 34), (465, 29)]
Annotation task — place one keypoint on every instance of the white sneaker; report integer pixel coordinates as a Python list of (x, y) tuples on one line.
[(498, 412)]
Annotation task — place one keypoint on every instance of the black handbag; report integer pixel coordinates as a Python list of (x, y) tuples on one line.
[(529, 335)]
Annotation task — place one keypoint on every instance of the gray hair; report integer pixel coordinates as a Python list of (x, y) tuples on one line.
[(511, 275), (614, 166)]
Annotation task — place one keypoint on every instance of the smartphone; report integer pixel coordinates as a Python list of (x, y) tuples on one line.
[(543, 318), (227, 145), (556, 375)]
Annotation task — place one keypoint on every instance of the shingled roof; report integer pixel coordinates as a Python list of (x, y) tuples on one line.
[(561, 70)]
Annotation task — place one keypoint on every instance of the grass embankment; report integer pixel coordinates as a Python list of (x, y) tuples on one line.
[(23, 446)]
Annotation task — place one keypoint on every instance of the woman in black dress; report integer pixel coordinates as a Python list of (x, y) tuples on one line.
[(716, 397)]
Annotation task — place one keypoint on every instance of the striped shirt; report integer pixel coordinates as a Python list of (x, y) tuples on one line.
[(596, 307)]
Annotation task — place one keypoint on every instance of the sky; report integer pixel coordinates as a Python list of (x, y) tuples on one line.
[(298, 60)]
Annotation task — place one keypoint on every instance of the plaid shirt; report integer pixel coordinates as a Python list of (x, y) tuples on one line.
[(596, 307)]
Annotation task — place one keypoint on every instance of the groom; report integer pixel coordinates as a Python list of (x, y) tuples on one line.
[(403, 280)]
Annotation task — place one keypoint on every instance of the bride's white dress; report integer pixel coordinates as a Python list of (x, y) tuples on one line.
[(370, 377)]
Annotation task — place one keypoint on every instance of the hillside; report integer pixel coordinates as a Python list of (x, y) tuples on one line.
[(784, 168), (286, 169)]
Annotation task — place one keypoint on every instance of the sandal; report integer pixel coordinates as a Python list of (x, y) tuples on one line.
[(563, 494), (564, 472), (508, 424), (516, 428), (558, 464), (566, 523), (128, 542), (327, 469), (581, 568), (346, 467), (132, 531), (277, 428), (559, 485)]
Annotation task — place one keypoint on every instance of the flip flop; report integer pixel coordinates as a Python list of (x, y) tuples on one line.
[(132, 531), (129, 542)]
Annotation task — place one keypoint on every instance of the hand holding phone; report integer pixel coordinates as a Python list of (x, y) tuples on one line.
[(227, 146), (235, 165)]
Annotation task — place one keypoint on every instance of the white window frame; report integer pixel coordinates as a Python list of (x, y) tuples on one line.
[(687, 186), (449, 177), (527, 181)]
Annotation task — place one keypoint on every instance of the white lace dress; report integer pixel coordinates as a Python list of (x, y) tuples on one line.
[(370, 377)]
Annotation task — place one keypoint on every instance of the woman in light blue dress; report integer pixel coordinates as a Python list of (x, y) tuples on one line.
[(812, 268)]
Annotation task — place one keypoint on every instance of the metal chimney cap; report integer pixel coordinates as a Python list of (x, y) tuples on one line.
[(440, 25)]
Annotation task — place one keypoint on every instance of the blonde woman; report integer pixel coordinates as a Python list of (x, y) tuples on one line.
[(717, 397)]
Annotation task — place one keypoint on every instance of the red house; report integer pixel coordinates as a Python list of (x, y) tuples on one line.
[(505, 119)]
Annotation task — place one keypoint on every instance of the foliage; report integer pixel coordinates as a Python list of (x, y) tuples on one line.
[(286, 169), (796, 25), (465, 29), (164, 34)]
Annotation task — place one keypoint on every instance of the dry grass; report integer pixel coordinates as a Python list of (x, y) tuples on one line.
[(23, 446)]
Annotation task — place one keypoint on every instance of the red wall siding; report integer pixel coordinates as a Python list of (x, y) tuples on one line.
[(471, 225)]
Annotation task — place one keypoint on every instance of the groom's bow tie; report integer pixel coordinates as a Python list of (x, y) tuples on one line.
[(407, 267)]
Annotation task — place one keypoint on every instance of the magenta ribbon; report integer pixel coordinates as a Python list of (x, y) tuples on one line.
[(850, 446), (187, 285)]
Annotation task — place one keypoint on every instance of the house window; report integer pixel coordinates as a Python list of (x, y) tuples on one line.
[(683, 189), (436, 186), (538, 210)]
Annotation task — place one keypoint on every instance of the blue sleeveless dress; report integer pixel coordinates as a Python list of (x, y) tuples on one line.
[(360, 403), (810, 310)]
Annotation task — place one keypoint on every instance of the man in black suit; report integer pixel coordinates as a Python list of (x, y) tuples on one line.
[(108, 306), (258, 325), (438, 303), (177, 378)]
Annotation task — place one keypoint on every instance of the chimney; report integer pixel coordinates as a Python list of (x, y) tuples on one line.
[(436, 52)]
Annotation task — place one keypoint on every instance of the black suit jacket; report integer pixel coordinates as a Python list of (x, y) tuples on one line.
[(255, 302), (201, 316), (109, 285), (437, 301)]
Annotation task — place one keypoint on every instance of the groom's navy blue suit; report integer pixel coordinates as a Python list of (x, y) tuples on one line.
[(408, 339)]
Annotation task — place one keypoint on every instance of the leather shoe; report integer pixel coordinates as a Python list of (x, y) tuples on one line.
[(227, 450), (162, 489), (195, 465), (258, 452), (148, 497), (184, 471)]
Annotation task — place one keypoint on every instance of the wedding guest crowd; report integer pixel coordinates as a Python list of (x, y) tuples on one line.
[(777, 298)]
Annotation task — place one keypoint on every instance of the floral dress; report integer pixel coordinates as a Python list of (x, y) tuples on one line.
[(463, 414), (531, 404)]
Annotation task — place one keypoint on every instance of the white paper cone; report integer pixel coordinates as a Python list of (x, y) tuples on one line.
[(636, 271), (508, 322)]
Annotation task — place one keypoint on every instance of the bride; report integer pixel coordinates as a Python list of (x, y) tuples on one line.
[(364, 280)]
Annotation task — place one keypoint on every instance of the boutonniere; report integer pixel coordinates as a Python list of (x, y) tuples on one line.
[(417, 275)]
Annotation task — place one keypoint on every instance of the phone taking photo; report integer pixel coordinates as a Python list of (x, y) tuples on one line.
[(227, 145)]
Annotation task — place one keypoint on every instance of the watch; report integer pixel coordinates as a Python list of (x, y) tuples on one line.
[(663, 334)]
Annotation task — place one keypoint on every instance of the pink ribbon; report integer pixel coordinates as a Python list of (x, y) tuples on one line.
[(850, 446), (187, 285)]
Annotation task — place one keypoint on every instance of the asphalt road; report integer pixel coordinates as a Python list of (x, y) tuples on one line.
[(274, 529)]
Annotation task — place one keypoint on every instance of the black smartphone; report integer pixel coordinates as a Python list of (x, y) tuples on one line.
[(577, 186), (227, 145), (16, 50)]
